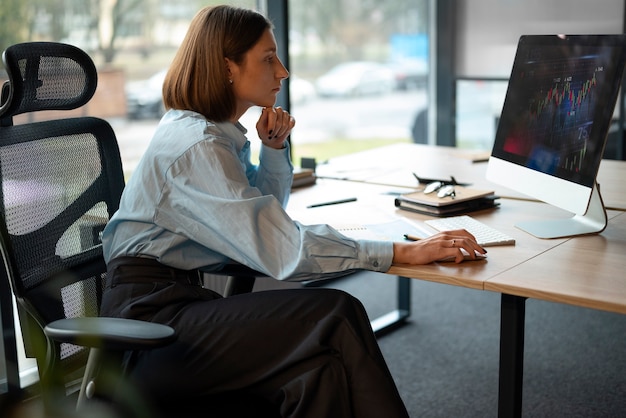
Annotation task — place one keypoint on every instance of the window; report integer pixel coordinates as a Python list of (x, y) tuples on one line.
[(359, 72)]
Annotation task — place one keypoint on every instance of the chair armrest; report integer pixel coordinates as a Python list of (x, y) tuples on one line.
[(110, 333)]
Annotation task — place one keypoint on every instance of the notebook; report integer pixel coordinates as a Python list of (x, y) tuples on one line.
[(465, 200)]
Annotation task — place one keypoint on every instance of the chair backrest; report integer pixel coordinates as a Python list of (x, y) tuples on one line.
[(61, 181)]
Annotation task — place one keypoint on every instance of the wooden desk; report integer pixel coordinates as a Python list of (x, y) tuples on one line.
[(584, 271), (581, 271), (375, 205)]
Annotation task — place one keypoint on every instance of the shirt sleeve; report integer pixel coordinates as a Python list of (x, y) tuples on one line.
[(274, 174), (208, 199)]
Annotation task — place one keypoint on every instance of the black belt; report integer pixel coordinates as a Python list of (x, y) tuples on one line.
[(123, 270)]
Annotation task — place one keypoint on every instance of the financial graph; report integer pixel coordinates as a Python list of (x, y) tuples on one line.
[(560, 113), (564, 94)]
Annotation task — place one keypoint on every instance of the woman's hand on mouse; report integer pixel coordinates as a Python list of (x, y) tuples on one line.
[(443, 245)]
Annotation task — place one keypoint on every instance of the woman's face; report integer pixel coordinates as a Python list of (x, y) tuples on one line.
[(256, 82)]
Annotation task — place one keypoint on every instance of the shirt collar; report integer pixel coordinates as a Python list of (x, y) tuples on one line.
[(235, 131)]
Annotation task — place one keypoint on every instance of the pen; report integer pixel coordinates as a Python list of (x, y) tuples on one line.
[(333, 202), (412, 237)]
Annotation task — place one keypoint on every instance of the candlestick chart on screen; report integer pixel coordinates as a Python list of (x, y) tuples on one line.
[(556, 112)]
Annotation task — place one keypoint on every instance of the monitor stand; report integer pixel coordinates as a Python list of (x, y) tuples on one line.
[(592, 222)]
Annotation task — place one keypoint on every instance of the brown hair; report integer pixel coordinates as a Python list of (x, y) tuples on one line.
[(197, 79)]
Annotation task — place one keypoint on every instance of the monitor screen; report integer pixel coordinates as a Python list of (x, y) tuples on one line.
[(556, 115)]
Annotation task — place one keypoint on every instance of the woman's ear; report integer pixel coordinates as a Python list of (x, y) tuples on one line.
[(229, 68)]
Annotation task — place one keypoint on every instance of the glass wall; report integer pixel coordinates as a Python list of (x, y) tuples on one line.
[(359, 72)]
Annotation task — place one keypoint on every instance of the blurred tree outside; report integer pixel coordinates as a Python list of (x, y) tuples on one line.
[(97, 26), (323, 32), (110, 21), (13, 22)]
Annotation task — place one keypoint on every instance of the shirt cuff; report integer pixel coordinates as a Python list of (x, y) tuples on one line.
[(276, 160), (376, 255)]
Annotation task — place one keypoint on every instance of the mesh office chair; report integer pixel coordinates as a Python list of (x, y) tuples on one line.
[(61, 181)]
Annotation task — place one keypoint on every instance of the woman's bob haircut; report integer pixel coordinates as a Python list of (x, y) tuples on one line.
[(197, 79)]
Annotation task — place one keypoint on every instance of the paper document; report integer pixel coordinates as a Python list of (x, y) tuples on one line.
[(386, 231)]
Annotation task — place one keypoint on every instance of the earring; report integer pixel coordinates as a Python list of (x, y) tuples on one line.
[(230, 81)]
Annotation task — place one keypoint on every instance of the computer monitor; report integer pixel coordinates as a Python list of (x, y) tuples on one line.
[(553, 127)]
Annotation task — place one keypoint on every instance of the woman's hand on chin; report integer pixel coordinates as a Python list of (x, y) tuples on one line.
[(274, 126)]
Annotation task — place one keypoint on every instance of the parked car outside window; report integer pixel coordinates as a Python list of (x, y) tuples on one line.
[(357, 78), (144, 98)]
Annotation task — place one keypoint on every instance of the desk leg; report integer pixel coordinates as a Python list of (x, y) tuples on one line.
[(512, 320), (395, 318)]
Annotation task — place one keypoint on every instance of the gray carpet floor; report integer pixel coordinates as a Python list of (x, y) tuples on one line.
[(445, 359)]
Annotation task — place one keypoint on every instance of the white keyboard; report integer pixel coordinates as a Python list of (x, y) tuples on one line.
[(486, 236)]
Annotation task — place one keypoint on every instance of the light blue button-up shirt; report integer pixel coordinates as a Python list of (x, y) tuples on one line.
[(196, 201)]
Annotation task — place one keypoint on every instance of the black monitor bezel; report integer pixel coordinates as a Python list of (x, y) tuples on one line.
[(603, 111)]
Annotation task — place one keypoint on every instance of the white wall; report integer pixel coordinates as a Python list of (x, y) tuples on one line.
[(488, 30)]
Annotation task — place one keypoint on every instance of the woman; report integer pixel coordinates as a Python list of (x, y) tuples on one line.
[(196, 203)]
